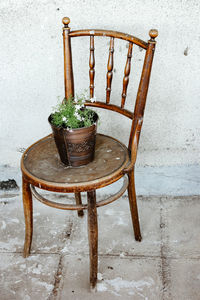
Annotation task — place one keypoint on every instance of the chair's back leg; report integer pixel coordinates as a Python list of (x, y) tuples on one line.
[(28, 214), (133, 206), (79, 202), (93, 237), (68, 67)]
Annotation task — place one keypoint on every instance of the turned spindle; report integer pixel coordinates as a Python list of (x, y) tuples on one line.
[(110, 70), (92, 65), (126, 74)]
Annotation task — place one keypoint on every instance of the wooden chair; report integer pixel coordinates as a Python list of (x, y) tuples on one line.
[(40, 164)]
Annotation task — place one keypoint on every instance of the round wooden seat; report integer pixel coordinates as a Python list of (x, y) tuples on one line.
[(42, 166)]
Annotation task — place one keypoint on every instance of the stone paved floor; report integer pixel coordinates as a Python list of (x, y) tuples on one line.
[(165, 265)]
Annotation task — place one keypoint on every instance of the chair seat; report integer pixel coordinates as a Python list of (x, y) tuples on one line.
[(42, 166)]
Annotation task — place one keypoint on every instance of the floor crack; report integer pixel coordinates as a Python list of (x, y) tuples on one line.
[(59, 274), (58, 279)]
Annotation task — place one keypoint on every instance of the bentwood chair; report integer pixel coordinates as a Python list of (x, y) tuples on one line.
[(40, 164)]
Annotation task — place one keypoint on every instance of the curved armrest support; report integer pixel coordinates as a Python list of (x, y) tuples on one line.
[(134, 146)]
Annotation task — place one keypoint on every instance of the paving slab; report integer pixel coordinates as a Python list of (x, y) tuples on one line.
[(30, 278), (185, 279), (11, 225), (116, 232), (51, 228), (181, 226), (124, 278)]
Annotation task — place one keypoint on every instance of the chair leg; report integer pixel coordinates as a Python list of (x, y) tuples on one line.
[(79, 202), (133, 206), (28, 215), (93, 237)]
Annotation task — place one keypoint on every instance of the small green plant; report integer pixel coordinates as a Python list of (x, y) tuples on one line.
[(72, 113)]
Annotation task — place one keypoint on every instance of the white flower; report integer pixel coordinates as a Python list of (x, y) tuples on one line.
[(64, 119), (77, 107), (93, 99), (79, 118), (75, 100), (76, 114)]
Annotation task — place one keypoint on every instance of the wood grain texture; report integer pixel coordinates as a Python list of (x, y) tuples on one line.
[(28, 215), (134, 146), (92, 65), (110, 70), (133, 206), (144, 82), (126, 74), (41, 164), (68, 68), (109, 33), (143, 89), (80, 206), (93, 237), (125, 112), (79, 202)]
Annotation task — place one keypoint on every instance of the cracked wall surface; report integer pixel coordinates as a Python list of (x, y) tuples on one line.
[(31, 72)]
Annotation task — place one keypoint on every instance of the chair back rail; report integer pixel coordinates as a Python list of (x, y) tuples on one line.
[(109, 33), (144, 80)]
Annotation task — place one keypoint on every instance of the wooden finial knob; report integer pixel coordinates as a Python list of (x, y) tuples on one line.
[(153, 33), (66, 21)]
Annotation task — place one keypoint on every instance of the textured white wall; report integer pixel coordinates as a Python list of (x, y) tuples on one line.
[(31, 71)]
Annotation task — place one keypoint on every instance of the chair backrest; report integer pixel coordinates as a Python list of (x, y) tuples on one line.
[(137, 115)]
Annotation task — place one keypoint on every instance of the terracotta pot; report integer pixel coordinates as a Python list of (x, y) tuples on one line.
[(76, 147)]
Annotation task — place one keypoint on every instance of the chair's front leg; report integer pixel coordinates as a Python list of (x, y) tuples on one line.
[(133, 206), (93, 237), (28, 214)]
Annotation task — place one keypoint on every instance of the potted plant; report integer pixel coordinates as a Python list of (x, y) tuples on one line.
[(74, 130)]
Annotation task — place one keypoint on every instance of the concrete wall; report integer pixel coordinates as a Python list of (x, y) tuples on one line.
[(31, 72)]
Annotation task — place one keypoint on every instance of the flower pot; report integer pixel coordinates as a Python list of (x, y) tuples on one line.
[(76, 147), (60, 142)]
